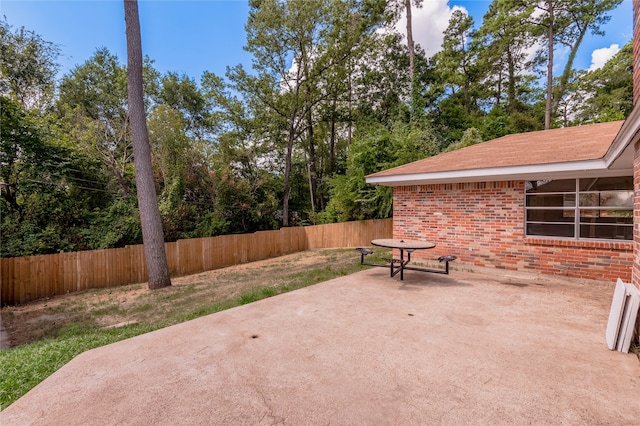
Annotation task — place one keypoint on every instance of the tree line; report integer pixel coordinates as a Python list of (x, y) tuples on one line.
[(334, 93)]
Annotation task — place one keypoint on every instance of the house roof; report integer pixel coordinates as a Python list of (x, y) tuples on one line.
[(557, 153)]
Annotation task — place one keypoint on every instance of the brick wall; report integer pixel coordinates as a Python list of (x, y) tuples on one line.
[(636, 51), (636, 159), (636, 216), (483, 224)]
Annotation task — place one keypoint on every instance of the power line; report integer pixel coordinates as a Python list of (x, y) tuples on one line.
[(80, 179), (66, 186)]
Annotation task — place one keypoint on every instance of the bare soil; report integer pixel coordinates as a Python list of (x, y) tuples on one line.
[(118, 306)]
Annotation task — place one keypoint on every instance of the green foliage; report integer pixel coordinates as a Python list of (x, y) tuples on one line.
[(117, 225), (470, 137), (382, 85), (377, 148), (182, 94), (290, 141), (500, 122), (458, 71), (92, 107), (456, 61), (43, 198), (558, 23), (27, 67), (606, 94), (502, 59), (21, 145), (210, 225)]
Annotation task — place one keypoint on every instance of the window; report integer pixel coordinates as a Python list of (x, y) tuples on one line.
[(596, 208)]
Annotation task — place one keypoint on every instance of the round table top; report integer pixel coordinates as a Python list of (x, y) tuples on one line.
[(403, 244)]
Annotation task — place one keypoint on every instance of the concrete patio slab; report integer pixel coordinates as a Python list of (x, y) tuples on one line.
[(468, 348)]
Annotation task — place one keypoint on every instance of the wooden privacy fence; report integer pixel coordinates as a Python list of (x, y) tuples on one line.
[(23, 279)]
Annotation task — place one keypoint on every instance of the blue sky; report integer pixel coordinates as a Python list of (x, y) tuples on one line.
[(191, 37)]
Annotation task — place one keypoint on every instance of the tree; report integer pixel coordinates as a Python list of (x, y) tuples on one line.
[(410, 43), (561, 22), (507, 89), (376, 148), (296, 46), (48, 190), (456, 60), (27, 67), (381, 86), (93, 107), (21, 149), (584, 16), (277, 31), (606, 94), (186, 188), (456, 67), (470, 137), (502, 45), (397, 7), (182, 94), (152, 235), (247, 159), (553, 27)]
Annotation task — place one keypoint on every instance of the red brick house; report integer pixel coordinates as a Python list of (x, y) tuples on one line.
[(557, 201), (561, 201)]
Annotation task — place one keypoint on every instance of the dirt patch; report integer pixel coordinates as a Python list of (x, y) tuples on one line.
[(118, 306)]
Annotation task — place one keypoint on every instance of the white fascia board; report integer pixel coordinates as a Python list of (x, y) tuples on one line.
[(567, 170), (628, 133)]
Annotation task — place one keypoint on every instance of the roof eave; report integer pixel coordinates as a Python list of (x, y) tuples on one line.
[(566, 170), (622, 145)]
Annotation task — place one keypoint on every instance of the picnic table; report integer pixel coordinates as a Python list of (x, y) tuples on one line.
[(398, 265)]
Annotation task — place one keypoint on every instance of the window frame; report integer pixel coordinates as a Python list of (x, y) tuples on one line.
[(576, 209)]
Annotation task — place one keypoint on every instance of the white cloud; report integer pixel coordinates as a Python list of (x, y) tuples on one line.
[(429, 24), (599, 57)]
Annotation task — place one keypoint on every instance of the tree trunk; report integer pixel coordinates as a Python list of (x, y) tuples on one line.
[(466, 88), (407, 7), (547, 110), (332, 139), (312, 165), (124, 186), (313, 204), (564, 78), (287, 171), (152, 236), (511, 89), (349, 105)]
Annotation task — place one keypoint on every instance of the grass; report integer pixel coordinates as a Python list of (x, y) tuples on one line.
[(76, 324), (636, 350)]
